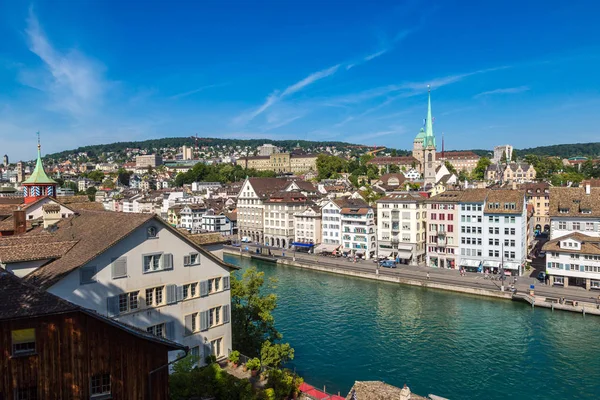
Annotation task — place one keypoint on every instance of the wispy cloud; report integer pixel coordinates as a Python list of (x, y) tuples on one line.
[(385, 48), (366, 137), (375, 55), (276, 96), (74, 82), (200, 89), (513, 90)]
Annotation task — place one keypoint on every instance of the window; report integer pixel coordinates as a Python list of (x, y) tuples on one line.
[(191, 259), (23, 341), (214, 285), (497, 231), (151, 232), (154, 296), (512, 231), (128, 301), (157, 262), (216, 347), (496, 253), (512, 254), (214, 316), (190, 290), (491, 253), (87, 275), (589, 226), (157, 330), (562, 225), (100, 386)]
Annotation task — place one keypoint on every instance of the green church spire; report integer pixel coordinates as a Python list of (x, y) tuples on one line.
[(429, 138), (39, 175)]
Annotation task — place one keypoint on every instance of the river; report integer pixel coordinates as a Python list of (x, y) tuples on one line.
[(457, 346)]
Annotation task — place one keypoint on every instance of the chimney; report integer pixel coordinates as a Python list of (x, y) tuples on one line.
[(588, 188), (20, 221)]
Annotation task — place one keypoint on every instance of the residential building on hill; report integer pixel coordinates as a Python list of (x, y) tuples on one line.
[(512, 172), (404, 163), (42, 334), (402, 226), (149, 160), (502, 154), (460, 160), (267, 150), (133, 268)]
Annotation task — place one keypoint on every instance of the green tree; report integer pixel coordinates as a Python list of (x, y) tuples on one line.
[(108, 183), (463, 176), (96, 175), (71, 185), (91, 193), (394, 169), (504, 157), (252, 319), (480, 168), (394, 153), (275, 355), (513, 156), (450, 167)]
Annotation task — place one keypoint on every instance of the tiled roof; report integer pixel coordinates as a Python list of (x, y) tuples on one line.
[(474, 196), (287, 197), (351, 203), (457, 155), (20, 252), (94, 231), (51, 207), (573, 201), (264, 187), (401, 197), (532, 188), (386, 177), (589, 244), (449, 196), (18, 299), (305, 186), (505, 198), (377, 390), (393, 160)]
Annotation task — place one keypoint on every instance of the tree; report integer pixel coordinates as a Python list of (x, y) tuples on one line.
[(150, 170), (275, 355), (480, 168), (71, 185), (503, 158), (96, 175), (252, 319), (123, 177), (463, 176), (91, 193), (394, 153), (450, 167), (513, 156), (394, 168)]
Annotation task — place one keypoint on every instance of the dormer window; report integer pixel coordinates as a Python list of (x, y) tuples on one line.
[(586, 211), (563, 210), (151, 232)]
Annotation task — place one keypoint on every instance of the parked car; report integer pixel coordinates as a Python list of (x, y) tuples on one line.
[(387, 264), (541, 276)]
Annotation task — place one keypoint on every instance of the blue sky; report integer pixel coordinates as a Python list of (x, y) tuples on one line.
[(86, 72)]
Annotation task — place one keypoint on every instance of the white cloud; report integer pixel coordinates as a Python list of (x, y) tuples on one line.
[(74, 83), (200, 89), (513, 90)]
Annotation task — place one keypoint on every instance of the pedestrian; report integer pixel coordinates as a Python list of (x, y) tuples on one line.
[(427, 275)]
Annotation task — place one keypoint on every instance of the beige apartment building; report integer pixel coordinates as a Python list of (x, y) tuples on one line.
[(538, 195), (281, 162), (401, 227), (149, 160), (308, 225), (279, 213)]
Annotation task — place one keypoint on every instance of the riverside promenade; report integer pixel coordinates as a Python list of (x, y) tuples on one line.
[(578, 299)]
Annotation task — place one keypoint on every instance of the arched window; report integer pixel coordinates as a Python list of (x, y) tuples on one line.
[(429, 157)]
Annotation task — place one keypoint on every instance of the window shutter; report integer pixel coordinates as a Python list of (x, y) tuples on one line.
[(226, 313), (171, 294), (170, 330), (204, 320), (119, 267), (112, 305), (87, 275), (179, 293), (226, 283), (188, 324), (203, 288), (187, 260), (168, 261)]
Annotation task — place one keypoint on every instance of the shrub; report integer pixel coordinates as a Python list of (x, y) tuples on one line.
[(275, 355), (234, 357), (284, 383), (253, 364)]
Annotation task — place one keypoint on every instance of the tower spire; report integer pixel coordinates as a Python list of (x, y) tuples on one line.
[(429, 138)]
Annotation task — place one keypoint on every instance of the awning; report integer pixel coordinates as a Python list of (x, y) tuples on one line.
[(511, 265), (404, 255), (465, 262), (359, 252), (405, 247), (491, 264), (383, 253), (327, 248), (299, 244)]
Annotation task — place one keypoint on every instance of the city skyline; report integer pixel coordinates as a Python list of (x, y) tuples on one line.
[(101, 72)]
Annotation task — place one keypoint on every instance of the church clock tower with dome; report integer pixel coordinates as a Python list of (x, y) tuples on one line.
[(38, 185)]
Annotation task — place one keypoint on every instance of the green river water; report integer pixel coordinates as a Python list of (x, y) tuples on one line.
[(457, 346)]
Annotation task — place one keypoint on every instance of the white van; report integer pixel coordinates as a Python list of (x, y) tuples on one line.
[(246, 239)]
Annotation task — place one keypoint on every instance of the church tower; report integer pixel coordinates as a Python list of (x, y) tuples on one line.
[(429, 148), (38, 185)]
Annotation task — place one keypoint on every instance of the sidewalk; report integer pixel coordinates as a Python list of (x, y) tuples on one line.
[(451, 276)]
